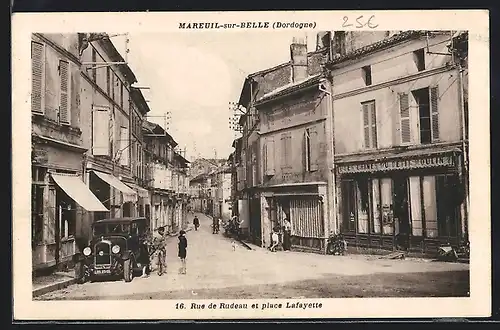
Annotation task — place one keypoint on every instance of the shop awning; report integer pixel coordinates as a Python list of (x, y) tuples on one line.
[(76, 189), (143, 193), (129, 195)]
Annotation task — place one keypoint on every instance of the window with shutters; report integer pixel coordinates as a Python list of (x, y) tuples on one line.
[(369, 124), (427, 104), (404, 113), (100, 131), (307, 150), (121, 96), (37, 77), (286, 150), (64, 92)]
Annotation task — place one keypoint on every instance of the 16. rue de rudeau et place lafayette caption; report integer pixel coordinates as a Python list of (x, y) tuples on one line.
[(261, 306)]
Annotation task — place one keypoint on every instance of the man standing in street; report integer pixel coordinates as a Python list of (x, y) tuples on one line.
[(182, 246), (160, 250)]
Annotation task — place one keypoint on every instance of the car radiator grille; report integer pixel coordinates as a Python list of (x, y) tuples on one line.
[(105, 249)]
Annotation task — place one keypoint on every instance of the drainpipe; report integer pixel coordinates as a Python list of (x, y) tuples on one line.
[(326, 86), (465, 158)]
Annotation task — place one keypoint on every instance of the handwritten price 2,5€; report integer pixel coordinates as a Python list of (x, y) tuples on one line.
[(359, 22)]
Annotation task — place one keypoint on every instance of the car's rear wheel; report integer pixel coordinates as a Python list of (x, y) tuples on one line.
[(128, 270)]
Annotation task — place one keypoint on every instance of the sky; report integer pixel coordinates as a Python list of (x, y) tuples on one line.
[(195, 75)]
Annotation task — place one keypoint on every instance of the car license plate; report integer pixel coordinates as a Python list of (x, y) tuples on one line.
[(102, 271)]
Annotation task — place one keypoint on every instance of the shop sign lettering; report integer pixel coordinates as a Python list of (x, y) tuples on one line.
[(436, 161)]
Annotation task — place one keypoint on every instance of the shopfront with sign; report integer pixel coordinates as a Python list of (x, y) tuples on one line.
[(407, 201)]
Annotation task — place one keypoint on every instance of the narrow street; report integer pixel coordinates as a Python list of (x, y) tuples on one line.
[(214, 270)]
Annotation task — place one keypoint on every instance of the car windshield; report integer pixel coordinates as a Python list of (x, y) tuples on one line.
[(99, 230), (119, 228), (113, 228)]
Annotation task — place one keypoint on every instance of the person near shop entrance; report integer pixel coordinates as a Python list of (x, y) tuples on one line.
[(287, 229), (274, 241)]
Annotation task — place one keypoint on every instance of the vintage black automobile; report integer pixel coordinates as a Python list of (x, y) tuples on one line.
[(118, 247)]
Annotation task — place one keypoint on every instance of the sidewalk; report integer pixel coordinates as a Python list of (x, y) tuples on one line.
[(56, 281)]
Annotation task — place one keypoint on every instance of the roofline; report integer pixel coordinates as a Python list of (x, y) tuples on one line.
[(376, 47), (170, 138), (137, 93), (107, 44), (308, 84)]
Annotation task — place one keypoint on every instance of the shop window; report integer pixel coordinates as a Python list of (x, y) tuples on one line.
[(348, 206), (416, 206), (127, 209), (67, 214), (363, 208), (37, 213), (447, 192), (376, 215), (386, 208), (430, 206)]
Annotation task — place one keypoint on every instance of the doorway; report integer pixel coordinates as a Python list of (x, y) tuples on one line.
[(401, 213)]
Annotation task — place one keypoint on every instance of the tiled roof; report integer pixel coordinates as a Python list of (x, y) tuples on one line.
[(397, 38), (289, 88)]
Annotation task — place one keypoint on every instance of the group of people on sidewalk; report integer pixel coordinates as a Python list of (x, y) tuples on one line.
[(285, 233)]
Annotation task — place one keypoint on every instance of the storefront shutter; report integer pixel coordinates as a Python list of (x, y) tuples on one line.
[(101, 132), (404, 108), (314, 144), (434, 113), (366, 124), (37, 77), (64, 104), (50, 224)]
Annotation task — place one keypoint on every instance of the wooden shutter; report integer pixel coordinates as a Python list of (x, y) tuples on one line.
[(306, 151), (314, 146), (101, 132), (124, 146), (366, 125), (37, 77), (373, 125), (434, 96), (283, 150), (64, 91), (269, 157), (404, 110)]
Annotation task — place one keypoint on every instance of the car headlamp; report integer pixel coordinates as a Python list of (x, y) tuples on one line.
[(87, 251), (115, 249)]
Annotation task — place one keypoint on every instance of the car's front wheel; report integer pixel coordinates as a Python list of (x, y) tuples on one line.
[(128, 270)]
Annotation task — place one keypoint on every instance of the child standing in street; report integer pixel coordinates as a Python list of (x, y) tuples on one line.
[(182, 245)]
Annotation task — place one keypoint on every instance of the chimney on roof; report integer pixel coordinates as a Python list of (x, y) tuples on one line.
[(298, 54), (323, 39)]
